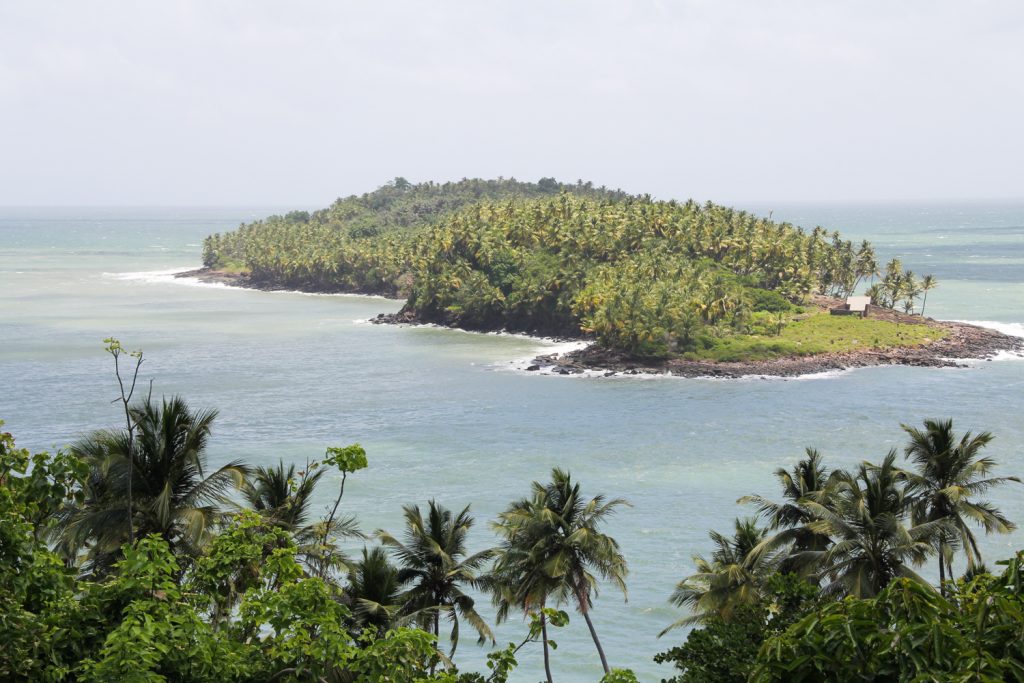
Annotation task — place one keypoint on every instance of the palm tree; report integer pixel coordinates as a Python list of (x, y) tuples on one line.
[(808, 477), (876, 292), (892, 282), (552, 545), (865, 515), (928, 283), (172, 494), (517, 581), (950, 472), (283, 499), (734, 576), (910, 290), (433, 561), (373, 591)]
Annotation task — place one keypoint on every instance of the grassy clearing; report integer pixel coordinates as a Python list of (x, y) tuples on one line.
[(233, 267), (819, 333)]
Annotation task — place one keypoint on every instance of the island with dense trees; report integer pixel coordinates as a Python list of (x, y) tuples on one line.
[(694, 289), (126, 558)]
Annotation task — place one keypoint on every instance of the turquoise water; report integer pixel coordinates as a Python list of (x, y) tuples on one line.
[(447, 414)]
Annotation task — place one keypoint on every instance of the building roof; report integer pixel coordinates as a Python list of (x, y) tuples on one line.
[(858, 303)]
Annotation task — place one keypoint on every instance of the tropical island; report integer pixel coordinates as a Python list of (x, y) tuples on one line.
[(661, 286)]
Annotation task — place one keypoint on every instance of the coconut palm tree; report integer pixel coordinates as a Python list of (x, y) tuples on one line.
[(283, 497), (433, 561), (949, 473), (518, 582), (734, 576), (910, 289), (552, 545), (808, 477), (927, 284), (865, 514), (373, 591), (173, 495)]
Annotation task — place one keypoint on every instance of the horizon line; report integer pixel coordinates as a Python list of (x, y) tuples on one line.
[(724, 202)]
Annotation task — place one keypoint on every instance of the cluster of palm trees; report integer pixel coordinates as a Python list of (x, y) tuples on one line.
[(547, 257), (853, 532), (632, 272), (901, 288), (360, 243), (552, 550), (163, 486)]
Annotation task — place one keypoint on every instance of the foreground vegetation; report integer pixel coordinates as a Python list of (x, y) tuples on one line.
[(827, 589), (211, 592), (651, 278), (126, 558)]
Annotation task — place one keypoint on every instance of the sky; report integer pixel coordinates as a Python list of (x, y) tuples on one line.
[(296, 103)]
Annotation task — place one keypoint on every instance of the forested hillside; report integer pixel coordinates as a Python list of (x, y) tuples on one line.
[(358, 243), (653, 278)]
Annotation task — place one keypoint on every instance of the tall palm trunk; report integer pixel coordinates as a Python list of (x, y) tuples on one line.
[(544, 635), (437, 638), (585, 611), (942, 569)]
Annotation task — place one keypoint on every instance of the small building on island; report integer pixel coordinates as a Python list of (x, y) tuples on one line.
[(855, 305)]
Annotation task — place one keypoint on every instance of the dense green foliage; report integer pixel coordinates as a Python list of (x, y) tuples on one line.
[(909, 632), (723, 650), (174, 496), (241, 609), (825, 591), (652, 278), (205, 593), (361, 243), (853, 539)]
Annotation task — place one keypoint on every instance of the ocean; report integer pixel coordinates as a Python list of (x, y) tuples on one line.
[(453, 416)]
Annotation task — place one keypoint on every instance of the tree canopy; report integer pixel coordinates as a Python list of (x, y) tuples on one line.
[(652, 278)]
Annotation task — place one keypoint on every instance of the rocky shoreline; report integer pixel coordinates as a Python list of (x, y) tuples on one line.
[(962, 342), (245, 281)]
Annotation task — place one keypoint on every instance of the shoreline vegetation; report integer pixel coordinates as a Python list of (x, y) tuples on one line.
[(688, 289)]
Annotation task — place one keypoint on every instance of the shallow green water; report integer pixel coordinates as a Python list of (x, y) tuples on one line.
[(447, 414)]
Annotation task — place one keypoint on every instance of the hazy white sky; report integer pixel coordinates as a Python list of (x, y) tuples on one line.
[(296, 103)]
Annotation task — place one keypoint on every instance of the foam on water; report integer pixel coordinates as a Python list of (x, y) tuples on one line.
[(168, 276), (171, 277), (1007, 355), (1011, 329)]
